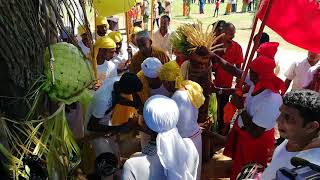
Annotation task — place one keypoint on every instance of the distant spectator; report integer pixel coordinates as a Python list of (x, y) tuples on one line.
[(201, 6), (234, 6), (217, 8), (264, 38)]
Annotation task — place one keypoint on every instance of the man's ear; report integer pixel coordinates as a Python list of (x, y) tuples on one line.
[(312, 127)]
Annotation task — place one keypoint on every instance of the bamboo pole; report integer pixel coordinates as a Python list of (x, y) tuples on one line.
[(255, 46), (152, 17), (250, 41), (94, 60), (127, 27)]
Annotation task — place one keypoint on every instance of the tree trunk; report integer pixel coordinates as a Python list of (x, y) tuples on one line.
[(22, 34)]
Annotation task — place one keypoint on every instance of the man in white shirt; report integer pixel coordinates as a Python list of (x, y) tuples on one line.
[(161, 37), (100, 113), (104, 52), (84, 42), (168, 156), (299, 124), (298, 71)]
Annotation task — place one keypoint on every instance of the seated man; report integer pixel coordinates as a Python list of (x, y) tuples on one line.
[(168, 156), (299, 124), (144, 43)]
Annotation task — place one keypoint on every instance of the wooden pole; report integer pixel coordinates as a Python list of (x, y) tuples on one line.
[(152, 17), (256, 44), (127, 27), (250, 41)]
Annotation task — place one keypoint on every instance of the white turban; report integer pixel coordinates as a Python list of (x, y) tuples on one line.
[(151, 67), (161, 114)]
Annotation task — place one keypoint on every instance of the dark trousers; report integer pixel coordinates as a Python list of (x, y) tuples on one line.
[(222, 101), (201, 8), (157, 21), (234, 7), (216, 11), (249, 6)]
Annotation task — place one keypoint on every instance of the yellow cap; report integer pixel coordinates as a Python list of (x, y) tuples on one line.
[(115, 36), (81, 30), (170, 71), (136, 29), (100, 20), (105, 42)]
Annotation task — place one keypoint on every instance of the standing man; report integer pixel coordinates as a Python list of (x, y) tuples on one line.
[(104, 52), (102, 27), (234, 6), (297, 73), (146, 13), (84, 42), (146, 50), (161, 37), (233, 54), (113, 24)]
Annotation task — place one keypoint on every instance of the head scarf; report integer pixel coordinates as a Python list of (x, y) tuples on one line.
[(170, 71), (264, 66), (100, 20), (81, 30), (103, 43), (151, 67), (161, 114), (115, 36)]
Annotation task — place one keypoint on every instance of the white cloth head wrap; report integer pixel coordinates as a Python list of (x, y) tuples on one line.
[(151, 67), (161, 114)]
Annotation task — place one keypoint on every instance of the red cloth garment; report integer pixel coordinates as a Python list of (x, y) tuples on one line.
[(244, 149), (295, 21), (217, 5), (233, 55), (264, 66)]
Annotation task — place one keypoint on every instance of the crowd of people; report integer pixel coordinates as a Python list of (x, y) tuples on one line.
[(167, 101)]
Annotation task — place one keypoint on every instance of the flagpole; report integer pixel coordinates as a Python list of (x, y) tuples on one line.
[(250, 40), (256, 44)]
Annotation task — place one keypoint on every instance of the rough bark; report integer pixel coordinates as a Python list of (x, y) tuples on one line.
[(22, 34)]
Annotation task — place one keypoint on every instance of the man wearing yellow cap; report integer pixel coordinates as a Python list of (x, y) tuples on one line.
[(104, 52), (121, 58), (101, 26), (84, 42), (144, 43), (189, 98)]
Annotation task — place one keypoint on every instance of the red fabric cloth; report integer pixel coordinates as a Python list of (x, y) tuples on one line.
[(264, 66), (244, 149), (233, 55), (217, 5), (295, 21)]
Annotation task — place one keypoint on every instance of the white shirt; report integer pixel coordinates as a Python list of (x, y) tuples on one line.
[(102, 101), (107, 70), (298, 73), (263, 108), (84, 48), (143, 166), (187, 124), (281, 158), (161, 90), (162, 42)]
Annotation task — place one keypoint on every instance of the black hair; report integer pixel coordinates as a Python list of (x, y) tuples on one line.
[(220, 25), (307, 102), (264, 38), (130, 83), (227, 24), (202, 51), (106, 164), (165, 16)]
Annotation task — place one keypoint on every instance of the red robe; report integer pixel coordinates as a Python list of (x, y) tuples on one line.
[(244, 149)]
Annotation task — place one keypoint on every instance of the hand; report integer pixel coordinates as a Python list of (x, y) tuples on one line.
[(237, 101)]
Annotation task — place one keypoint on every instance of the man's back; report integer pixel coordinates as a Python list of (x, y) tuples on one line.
[(147, 166)]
